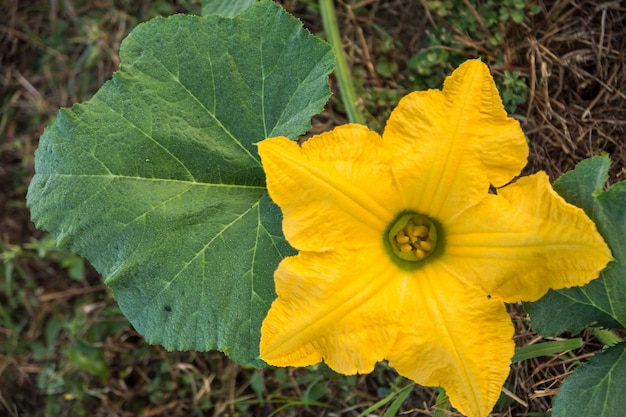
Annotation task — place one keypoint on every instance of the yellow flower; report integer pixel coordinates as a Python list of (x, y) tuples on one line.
[(405, 254)]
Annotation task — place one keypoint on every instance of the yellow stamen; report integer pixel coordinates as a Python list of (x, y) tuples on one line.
[(402, 238), (413, 237), (420, 231), (426, 245)]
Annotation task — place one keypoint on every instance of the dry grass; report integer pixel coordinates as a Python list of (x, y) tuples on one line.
[(573, 55)]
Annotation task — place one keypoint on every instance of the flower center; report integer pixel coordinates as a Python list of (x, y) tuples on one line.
[(413, 237)]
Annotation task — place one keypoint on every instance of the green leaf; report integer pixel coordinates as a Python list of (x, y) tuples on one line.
[(397, 403), (602, 301), (157, 182), (595, 389), (394, 394), (88, 358), (546, 348), (606, 337), (224, 8)]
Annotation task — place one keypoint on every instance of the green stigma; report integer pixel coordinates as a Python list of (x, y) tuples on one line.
[(413, 237)]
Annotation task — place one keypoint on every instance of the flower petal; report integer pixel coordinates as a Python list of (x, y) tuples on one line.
[(337, 306), (452, 144), (336, 190), (524, 241), (455, 337)]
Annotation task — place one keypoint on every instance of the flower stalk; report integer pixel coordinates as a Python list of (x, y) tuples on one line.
[(344, 79)]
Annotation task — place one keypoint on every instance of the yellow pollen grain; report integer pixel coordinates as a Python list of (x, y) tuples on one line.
[(426, 245), (406, 248), (402, 238), (420, 254), (420, 231)]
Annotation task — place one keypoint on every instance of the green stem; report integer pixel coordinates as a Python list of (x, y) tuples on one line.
[(346, 88)]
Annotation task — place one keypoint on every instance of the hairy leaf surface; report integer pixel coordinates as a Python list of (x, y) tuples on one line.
[(596, 389), (157, 182)]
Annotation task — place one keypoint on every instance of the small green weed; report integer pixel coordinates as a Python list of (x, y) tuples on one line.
[(462, 32), (513, 89), (377, 102), (44, 248)]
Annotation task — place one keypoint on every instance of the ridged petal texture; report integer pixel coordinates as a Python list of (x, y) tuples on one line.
[(347, 300)]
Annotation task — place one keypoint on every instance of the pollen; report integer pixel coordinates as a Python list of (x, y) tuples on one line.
[(413, 237)]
